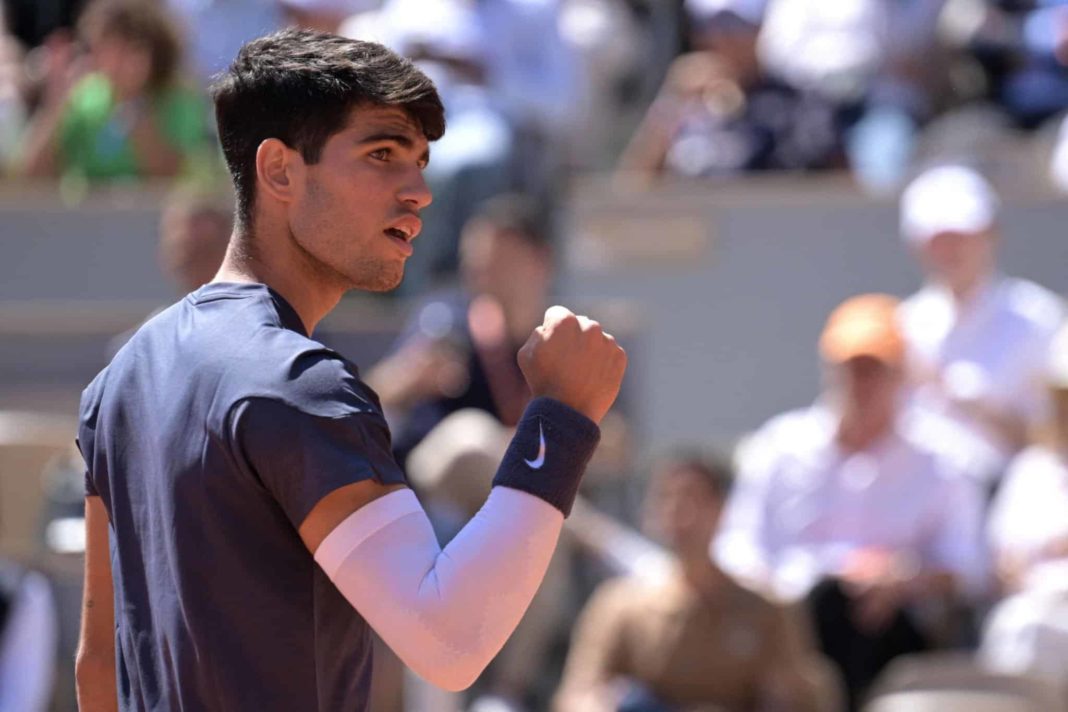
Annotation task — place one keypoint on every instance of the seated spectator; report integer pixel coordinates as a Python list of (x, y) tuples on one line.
[(977, 339), (29, 639), (692, 639), (194, 231), (875, 62), (131, 116), (459, 350), (1028, 531), (1022, 47), (719, 114), (845, 505)]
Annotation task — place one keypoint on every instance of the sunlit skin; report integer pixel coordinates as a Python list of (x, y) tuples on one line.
[(959, 261), (681, 511), (866, 392), (327, 222)]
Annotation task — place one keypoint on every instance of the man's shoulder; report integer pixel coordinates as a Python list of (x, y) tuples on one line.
[(1031, 303), (795, 433)]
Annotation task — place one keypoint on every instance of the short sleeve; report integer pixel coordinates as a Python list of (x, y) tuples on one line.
[(90, 486), (301, 457)]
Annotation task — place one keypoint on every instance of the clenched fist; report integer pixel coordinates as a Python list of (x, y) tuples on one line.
[(569, 358)]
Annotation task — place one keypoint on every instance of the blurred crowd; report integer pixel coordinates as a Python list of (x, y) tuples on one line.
[(919, 504)]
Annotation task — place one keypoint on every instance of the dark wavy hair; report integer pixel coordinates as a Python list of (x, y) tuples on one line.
[(300, 87)]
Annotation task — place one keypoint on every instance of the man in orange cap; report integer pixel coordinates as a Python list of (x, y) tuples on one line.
[(842, 504)]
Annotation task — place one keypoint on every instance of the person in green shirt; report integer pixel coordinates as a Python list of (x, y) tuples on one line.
[(126, 112)]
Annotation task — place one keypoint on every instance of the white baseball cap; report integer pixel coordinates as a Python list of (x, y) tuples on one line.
[(1057, 360), (947, 199), (448, 27), (751, 11)]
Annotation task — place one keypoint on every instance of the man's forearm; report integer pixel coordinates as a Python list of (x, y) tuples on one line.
[(447, 613), (94, 675)]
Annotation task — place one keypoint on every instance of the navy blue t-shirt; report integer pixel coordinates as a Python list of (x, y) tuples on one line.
[(210, 437)]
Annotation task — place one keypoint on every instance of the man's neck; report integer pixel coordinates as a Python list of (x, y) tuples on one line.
[(702, 574), (964, 293), (857, 434), (290, 274)]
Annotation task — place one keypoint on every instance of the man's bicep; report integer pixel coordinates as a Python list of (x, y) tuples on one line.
[(337, 506), (319, 469)]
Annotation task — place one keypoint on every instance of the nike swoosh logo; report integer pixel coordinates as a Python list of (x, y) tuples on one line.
[(537, 462)]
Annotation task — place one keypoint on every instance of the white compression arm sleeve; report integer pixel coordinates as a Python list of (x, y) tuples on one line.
[(445, 613)]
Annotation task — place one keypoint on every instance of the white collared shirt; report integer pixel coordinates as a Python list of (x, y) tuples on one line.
[(994, 350), (803, 509), (1030, 512)]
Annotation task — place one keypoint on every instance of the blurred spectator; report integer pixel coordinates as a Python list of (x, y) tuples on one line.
[(194, 231), (29, 638), (612, 50), (1028, 632), (216, 29), (719, 113), (846, 505), (475, 159), (459, 350), (1023, 47), (874, 60), (12, 106), (977, 339), (131, 115), (694, 639)]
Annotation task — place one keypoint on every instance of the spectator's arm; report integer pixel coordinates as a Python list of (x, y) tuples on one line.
[(39, 158), (743, 544), (797, 678), (596, 655), (688, 79), (95, 665), (956, 563)]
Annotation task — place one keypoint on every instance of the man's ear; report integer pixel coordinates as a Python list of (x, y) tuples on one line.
[(279, 170)]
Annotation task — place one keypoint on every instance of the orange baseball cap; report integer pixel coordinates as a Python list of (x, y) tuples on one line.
[(865, 325)]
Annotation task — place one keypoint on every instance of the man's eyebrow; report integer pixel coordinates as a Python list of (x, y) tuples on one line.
[(398, 138)]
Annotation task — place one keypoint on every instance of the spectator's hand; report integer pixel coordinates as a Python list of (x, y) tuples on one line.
[(877, 582), (571, 359), (63, 67), (876, 603), (693, 75)]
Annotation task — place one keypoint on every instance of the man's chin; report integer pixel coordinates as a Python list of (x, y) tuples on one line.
[(381, 281)]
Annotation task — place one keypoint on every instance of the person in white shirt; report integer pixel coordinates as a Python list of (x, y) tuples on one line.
[(29, 638), (977, 339), (843, 504), (1028, 530)]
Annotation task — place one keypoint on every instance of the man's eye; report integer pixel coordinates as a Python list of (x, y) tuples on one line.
[(381, 154)]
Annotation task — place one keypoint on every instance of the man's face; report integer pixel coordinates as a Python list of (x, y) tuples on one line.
[(958, 259), (357, 211), (867, 388), (681, 511)]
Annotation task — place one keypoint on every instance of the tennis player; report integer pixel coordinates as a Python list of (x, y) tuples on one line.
[(246, 523)]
